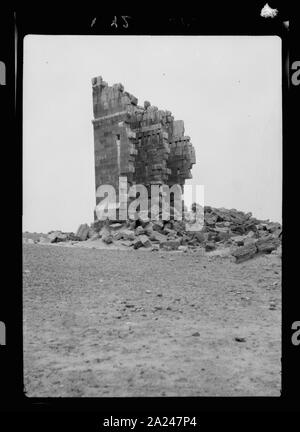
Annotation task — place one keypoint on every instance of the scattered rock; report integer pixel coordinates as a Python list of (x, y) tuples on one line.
[(196, 334), (158, 225), (157, 236), (107, 238), (61, 237), (210, 246), (56, 237), (240, 339), (223, 228), (139, 230), (148, 228), (127, 234), (145, 241), (106, 235), (137, 243), (170, 244), (249, 240), (82, 232), (239, 240), (53, 235), (104, 231), (267, 244), (115, 226), (91, 232), (127, 243), (222, 235), (243, 253), (117, 235), (142, 241), (72, 237), (170, 232)]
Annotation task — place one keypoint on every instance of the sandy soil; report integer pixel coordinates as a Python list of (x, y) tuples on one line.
[(139, 323)]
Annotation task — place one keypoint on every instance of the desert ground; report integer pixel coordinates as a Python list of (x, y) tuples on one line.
[(106, 322)]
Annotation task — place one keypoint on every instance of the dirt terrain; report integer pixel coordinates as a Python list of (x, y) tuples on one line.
[(142, 323)]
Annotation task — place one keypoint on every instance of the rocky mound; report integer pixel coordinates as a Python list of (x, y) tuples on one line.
[(245, 235)]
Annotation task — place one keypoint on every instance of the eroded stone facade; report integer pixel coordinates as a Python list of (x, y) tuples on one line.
[(145, 144)]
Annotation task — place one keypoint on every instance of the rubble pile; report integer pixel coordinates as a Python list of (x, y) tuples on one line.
[(143, 143), (244, 235)]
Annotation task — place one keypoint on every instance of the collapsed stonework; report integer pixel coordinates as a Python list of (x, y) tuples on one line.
[(230, 233), (144, 144), (148, 147)]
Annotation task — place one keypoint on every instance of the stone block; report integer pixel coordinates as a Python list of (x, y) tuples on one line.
[(243, 253), (127, 234), (82, 232), (267, 244), (145, 241), (170, 244), (156, 236)]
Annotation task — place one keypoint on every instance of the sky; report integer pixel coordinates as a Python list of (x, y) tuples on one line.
[(227, 89)]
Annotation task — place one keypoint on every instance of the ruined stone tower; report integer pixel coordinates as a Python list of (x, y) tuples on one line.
[(144, 144)]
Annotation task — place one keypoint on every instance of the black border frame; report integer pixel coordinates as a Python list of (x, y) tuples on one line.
[(16, 27)]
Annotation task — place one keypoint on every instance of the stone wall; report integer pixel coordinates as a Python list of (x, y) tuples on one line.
[(144, 144)]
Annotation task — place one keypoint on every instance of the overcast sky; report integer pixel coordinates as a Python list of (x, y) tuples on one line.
[(226, 89)]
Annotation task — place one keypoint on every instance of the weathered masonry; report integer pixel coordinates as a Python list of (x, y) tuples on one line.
[(144, 144)]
